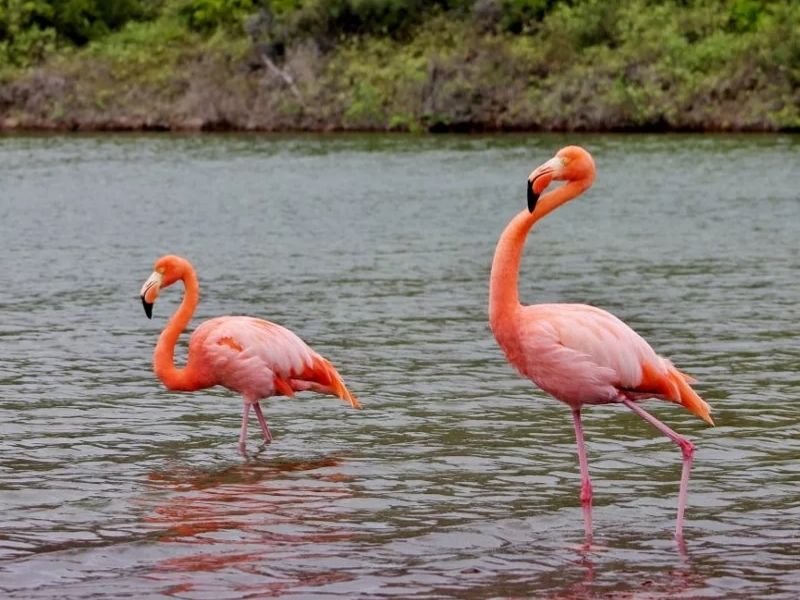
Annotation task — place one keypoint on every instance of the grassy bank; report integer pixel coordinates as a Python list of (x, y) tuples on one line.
[(406, 65)]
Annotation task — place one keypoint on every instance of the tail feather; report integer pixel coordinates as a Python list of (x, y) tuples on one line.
[(689, 398), (325, 375), (674, 385)]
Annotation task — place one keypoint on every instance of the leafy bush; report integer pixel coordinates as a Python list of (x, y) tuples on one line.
[(80, 21), (411, 64), (26, 47), (208, 15), (517, 16), (327, 21), (23, 40), (31, 29)]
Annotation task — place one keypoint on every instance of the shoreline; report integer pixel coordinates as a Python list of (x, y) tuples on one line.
[(127, 126)]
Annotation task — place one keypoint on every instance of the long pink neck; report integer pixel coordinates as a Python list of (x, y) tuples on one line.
[(164, 358), (503, 289)]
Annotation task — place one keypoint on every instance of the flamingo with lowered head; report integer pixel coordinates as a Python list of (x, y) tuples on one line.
[(577, 353), (256, 358)]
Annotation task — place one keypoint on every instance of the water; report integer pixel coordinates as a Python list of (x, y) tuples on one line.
[(458, 479)]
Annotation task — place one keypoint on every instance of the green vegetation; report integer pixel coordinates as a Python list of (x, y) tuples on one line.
[(401, 64)]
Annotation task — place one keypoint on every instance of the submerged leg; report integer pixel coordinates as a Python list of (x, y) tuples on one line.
[(586, 483), (687, 449), (263, 423), (243, 431)]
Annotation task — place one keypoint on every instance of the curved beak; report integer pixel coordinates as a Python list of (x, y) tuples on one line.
[(533, 197), (149, 293), (540, 178), (148, 308)]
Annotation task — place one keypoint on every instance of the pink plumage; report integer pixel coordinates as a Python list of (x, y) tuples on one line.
[(577, 353), (253, 357), (582, 354), (260, 359)]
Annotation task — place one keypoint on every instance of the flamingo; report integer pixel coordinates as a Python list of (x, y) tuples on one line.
[(577, 353), (253, 357)]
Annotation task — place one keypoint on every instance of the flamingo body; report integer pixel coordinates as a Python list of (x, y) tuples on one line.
[(581, 354), (253, 357), (260, 359), (577, 353)]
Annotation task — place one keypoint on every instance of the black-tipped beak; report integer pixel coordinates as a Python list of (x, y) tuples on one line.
[(533, 197), (148, 308)]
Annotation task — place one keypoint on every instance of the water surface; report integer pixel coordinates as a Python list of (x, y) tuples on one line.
[(458, 479)]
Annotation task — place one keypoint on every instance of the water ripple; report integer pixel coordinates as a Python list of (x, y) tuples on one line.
[(458, 479)]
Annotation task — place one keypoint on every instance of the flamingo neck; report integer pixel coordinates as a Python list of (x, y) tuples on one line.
[(503, 289), (164, 357)]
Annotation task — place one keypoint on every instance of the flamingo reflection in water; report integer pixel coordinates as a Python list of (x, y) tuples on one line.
[(624, 581), (252, 521), (578, 574)]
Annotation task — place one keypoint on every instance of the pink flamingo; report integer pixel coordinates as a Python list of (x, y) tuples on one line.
[(256, 358), (577, 353)]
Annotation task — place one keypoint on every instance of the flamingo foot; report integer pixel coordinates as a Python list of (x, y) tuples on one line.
[(262, 421)]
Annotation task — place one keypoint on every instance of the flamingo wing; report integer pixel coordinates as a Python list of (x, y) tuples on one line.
[(583, 354), (259, 359)]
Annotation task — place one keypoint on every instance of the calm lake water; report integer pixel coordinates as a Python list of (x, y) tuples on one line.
[(458, 479)]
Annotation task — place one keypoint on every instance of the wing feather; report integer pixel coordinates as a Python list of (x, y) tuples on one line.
[(260, 359), (582, 354)]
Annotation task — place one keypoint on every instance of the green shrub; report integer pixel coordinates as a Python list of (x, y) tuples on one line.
[(23, 40), (517, 16), (208, 15), (27, 47), (80, 21), (411, 64), (31, 29)]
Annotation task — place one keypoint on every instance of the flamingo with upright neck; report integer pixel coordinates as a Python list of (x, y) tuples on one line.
[(253, 357), (577, 353)]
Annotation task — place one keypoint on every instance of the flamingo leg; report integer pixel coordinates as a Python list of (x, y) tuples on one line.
[(687, 450), (586, 482), (262, 421), (243, 431)]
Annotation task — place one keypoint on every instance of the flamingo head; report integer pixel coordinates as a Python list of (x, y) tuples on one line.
[(167, 270), (571, 163)]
